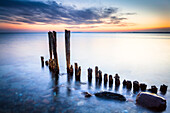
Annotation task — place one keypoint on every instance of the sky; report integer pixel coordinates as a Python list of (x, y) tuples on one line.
[(85, 15)]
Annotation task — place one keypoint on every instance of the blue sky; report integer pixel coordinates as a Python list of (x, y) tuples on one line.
[(84, 15)]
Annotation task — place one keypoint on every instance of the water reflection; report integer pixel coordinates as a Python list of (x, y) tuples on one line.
[(24, 83)]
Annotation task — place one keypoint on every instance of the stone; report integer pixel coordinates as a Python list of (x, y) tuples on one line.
[(87, 94), (163, 88), (151, 101), (110, 95), (46, 101)]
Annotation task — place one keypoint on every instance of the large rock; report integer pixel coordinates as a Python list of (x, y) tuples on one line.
[(110, 95), (151, 101)]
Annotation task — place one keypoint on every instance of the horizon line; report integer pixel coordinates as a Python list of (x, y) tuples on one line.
[(81, 32)]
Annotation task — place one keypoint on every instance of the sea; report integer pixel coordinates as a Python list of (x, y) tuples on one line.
[(27, 87)]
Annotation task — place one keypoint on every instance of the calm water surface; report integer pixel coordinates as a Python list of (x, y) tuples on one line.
[(27, 87)]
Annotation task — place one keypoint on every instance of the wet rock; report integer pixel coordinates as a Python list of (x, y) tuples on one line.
[(87, 94), (135, 85), (129, 84), (143, 87), (117, 81), (153, 89), (163, 88), (110, 95), (45, 101), (151, 101)]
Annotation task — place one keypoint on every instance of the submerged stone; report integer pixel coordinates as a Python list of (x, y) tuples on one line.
[(110, 95), (87, 94), (151, 101)]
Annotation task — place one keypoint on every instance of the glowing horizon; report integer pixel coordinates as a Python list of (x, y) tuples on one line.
[(40, 16)]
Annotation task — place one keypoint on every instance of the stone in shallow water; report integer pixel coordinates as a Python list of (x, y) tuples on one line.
[(151, 101), (87, 94), (110, 95), (46, 101)]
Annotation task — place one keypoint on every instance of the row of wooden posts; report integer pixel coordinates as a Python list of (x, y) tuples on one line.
[(54, 67)]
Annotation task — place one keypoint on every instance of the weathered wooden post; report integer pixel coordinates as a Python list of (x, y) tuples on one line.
[(143, 87), (153, 89), (50, 44), (124, 83), (96, 73), (129, 84), (163, 88), (105, 78), (46, 63), (117, 81), (90, 74), (54, 63), (71, 70), (67, 46), (110, 81), (100, 76), (78, 74), (76, 69), (55, 51), (136, 86), (42, 61)]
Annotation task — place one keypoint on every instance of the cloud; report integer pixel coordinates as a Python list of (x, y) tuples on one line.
[(38, 12)]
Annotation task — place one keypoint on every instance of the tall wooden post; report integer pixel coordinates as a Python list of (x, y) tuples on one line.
[(67, 46), (55, 50), (50, 44)]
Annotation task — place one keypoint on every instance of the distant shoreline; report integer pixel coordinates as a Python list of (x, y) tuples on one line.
[(77, 32)]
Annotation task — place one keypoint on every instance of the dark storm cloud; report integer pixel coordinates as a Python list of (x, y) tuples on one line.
[(33, 12)]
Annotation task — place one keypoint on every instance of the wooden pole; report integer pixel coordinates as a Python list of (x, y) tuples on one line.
[(110, 81), (71, 70), (67, 46), (128, 84), (105, 78), (42, 61), (78, 74), (96, 73), (100, 76), (53, 35), (76, 69), (136, 86), (143, 86), (117, 81), (50, 44), (90, 74)]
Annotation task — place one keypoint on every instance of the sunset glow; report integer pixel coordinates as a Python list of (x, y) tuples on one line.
[(42, 16)]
